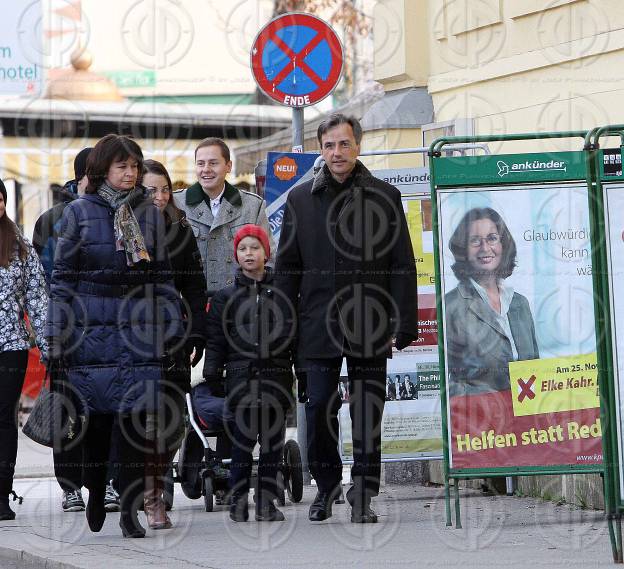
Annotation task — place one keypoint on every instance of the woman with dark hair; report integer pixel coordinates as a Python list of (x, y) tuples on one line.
[(113, 315), (488, 324), (165, 430), (22, 290)]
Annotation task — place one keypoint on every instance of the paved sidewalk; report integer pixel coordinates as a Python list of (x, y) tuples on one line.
[(33, 460), (498, 531)]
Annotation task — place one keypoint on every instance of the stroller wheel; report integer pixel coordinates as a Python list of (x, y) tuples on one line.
[(293, 471), (281, 495), (208, 494), (190, 464)]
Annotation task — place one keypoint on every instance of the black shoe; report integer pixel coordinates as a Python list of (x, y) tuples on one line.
[(96, 513), (239, 510), (364, 515), (361, 512), (321, 508), (223, 498), (130, 526), (6, 513), (269, 513)]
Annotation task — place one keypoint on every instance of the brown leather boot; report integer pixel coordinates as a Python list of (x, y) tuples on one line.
[(153, 502)]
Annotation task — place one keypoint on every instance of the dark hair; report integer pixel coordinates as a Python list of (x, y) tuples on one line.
[(459, 244), (111, 148), (225, 149), (10, 237), (172, 211), (336, 119)]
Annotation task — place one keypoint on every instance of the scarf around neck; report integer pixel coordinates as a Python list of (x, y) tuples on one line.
[(128, 236)]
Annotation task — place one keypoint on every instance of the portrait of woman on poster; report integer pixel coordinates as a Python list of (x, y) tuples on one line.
[(488, 324)]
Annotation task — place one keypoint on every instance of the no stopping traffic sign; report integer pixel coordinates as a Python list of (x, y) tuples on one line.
[(297, 59)]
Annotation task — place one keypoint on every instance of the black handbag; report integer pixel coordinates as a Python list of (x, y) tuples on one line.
[(54, 420)]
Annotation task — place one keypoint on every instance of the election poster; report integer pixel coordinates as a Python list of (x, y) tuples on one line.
[(519, 338), (614, 229)]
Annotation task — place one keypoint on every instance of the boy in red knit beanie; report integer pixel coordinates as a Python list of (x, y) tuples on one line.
[(250, 333)]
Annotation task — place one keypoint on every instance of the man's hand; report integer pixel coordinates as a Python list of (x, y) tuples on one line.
[(194, 349)]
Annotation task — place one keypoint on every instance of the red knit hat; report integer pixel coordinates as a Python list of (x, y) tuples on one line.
[(256, 231)]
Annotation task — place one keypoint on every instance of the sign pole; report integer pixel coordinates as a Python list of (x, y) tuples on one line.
[(297, 129)]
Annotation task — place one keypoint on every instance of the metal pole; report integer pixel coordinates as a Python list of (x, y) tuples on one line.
[(297, 129), (302, 440)]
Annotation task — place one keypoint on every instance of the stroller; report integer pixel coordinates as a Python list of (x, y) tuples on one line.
[(200, 473)]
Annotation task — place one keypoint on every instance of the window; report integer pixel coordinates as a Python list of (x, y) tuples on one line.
[(457, 127)]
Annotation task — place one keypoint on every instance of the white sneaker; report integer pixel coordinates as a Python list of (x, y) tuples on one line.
[(111, 499), (72, 501)]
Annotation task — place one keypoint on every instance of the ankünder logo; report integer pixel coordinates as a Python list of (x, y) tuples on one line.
[(530, 166)]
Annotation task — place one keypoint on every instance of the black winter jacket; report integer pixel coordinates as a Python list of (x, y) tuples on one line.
[(250, 331), (345, 258), (47, 229)]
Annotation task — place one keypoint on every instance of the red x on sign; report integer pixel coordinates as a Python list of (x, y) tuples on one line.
[(526, 389)]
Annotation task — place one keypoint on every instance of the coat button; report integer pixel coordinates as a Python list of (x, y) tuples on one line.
[(228, 260), (229, 281), (339, 261)]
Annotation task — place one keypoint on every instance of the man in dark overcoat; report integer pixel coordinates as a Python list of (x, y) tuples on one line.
[(345, 261)]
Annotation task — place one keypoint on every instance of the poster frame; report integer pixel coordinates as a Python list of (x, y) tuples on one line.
[(598, 182), (472, 173)]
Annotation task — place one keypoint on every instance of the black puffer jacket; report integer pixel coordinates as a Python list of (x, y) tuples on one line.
[(250, 331)]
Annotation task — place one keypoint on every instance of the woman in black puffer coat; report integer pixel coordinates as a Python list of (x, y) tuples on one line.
[(249, 335), (166, 428), (113, 315)]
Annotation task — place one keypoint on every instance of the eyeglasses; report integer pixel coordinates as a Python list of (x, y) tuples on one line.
[(490, 239)]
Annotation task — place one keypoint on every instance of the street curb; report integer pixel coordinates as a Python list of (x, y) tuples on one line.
[(26, 560), (24, 475)]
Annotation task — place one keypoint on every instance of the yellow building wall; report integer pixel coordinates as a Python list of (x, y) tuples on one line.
[(510, 65), (392, 138)]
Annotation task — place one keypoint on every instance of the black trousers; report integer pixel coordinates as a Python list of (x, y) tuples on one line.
[(367, 394), (131, 450), (263, 424), (12, 372)]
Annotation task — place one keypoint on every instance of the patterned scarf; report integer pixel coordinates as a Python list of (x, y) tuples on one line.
[(128, 236)]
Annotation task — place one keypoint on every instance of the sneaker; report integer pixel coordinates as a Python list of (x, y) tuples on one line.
[(111, 499), (72, 501)]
